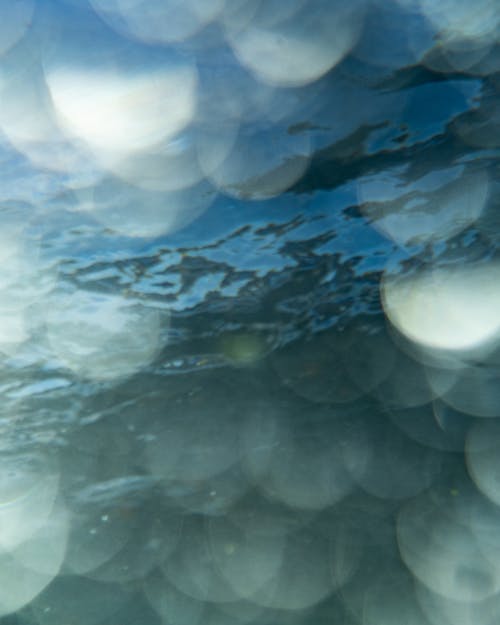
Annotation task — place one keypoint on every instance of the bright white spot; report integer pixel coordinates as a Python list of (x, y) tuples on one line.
[(119, 113), (448, 308)]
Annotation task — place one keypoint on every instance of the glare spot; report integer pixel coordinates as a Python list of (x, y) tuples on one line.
[(114, 203), (118, 113), (447, 308)]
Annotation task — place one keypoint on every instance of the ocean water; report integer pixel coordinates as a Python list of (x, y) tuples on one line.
[(249, 312)]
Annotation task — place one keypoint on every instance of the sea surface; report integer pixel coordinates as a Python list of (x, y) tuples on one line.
[(249, 312)]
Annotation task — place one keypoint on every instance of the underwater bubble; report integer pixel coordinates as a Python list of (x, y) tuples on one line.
[(298, 48), (114, 203), (445, 308), (470, 389), (117, 113), (441, 550), (247, 561), (171, 604), (305, 577), (102, 337), (421, 211), (305, 469), (28, 489), (192, 569), (32, 566)]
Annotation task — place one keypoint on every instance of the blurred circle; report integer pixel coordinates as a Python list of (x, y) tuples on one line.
[(442, 551), (102, 337), (448, 308), (294, 47), (264, 160), (15, 20), (158, 22), (248, 561), (79, 600), (433, 208), (483, 458), (114, 202), (31, 566), (117, 113), (28, 488)]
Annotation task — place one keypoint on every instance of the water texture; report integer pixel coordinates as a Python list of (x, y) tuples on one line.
[(249, 312)]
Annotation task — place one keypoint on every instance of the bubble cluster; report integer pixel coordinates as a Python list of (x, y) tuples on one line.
[(249, 329)]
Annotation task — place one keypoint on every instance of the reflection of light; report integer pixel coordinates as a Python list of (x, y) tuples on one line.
[(33, 529), (452, 309), (461, 19), (30, 567), (308, 473), (261, 164), (419, 212), (95, 538), (116, 205), (158, 21), (28, 488), (118, 113), (297, 49), (102, 336), (465, 32)]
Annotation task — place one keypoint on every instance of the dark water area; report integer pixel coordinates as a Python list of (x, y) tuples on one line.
[(249, 312)]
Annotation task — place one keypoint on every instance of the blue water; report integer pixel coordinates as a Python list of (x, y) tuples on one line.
[(248, 312)]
